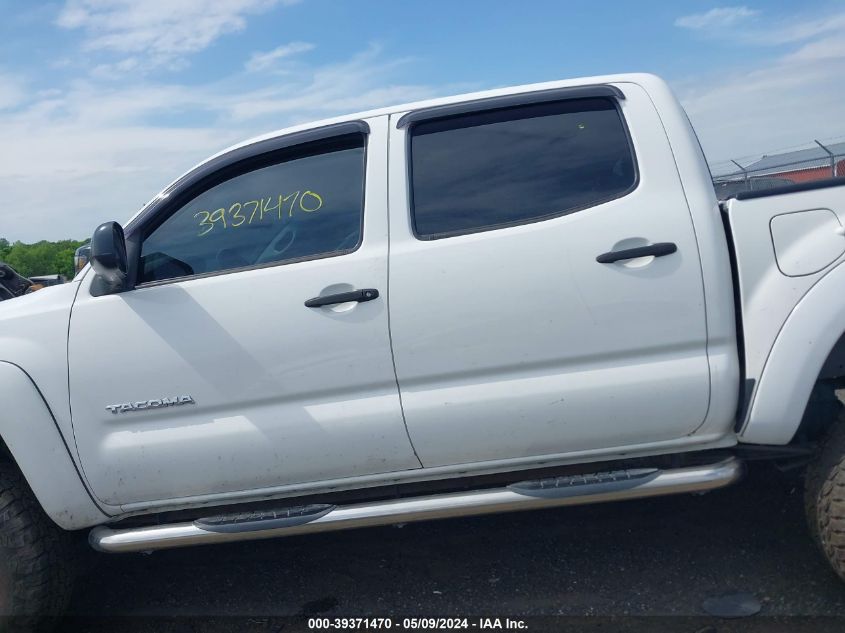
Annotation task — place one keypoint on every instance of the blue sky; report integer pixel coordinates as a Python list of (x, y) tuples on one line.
[(103, 102)]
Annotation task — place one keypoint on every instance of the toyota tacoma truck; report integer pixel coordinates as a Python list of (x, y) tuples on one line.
[(516, 299)]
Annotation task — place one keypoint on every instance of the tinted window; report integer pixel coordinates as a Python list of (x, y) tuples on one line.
[(487, 169), (310, 205)]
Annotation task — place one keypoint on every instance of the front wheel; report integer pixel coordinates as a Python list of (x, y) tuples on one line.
[(35, 561), (825, 497)]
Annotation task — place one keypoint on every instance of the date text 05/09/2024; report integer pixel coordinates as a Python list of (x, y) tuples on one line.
[(409, 624)]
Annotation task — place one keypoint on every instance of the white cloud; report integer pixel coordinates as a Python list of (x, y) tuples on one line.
[(117, 70), (97, 151), (262, 61), (792, 31), (732, 24), (93, 149), (157, 32), (829, 48), (12, 91), (361, 82), (720, 17), (793, 98)]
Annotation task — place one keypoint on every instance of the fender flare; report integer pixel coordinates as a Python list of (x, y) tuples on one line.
[(799, 352), (29, 431)]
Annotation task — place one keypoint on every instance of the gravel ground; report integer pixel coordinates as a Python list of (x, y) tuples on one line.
[(626, 563)]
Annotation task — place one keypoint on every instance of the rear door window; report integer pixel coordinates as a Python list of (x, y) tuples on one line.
[(491, 169)]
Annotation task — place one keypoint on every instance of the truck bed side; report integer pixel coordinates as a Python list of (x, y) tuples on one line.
[(788, 247)]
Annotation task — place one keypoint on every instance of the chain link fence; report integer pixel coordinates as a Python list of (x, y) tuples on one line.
[(815, 161)]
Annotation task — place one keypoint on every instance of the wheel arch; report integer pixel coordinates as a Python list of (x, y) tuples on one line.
[(809, 349), (31, 440)]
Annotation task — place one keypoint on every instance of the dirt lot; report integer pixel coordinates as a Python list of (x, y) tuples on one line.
[(626, 563)]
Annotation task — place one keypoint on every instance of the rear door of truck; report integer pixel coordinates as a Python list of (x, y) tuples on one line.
[(545, 287)]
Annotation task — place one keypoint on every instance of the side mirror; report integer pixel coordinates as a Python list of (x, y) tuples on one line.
[(108, 255)]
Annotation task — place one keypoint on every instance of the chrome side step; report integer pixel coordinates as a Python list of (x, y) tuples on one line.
[(527, 495)]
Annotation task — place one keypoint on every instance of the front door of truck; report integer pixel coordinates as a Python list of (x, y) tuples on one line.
[(545, 288), (213, 377)]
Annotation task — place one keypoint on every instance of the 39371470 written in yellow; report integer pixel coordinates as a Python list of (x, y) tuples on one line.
[(240, 213)]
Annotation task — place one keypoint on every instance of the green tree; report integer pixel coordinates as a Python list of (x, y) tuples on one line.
[(41, 258)]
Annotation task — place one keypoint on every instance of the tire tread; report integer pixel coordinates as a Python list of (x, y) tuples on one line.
[(825, 496), (35, 553)]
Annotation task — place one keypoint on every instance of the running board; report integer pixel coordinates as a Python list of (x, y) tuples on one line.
[(527, 495)]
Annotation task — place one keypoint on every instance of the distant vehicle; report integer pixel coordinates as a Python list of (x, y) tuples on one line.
[(81, 257), (570, 316), (11, 283), (48, 280)]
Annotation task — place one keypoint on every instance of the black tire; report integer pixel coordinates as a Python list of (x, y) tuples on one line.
[(824, 496), (35, 557)]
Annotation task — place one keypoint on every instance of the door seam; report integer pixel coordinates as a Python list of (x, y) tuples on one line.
[(387, 301)]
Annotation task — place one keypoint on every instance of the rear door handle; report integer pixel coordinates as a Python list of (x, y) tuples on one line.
[(367, 294), (655, 250)]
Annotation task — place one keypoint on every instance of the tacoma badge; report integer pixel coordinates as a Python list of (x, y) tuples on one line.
[(150, 404)]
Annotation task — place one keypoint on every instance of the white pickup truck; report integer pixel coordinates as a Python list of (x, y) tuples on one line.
[(514, 299)]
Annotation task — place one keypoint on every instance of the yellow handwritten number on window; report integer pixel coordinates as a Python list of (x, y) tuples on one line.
[(205, 222), (260, 208), (236, 214)]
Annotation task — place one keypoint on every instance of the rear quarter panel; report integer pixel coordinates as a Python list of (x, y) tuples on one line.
[(791, 300)]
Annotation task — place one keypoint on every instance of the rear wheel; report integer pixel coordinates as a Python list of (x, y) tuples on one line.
[(35, 560), (825, 496)]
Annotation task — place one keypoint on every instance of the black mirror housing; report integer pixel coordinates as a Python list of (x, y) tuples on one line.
[(108, 255)]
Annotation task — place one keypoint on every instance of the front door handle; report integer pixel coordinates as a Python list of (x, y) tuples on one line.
[(655, 250), (367, 294)]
